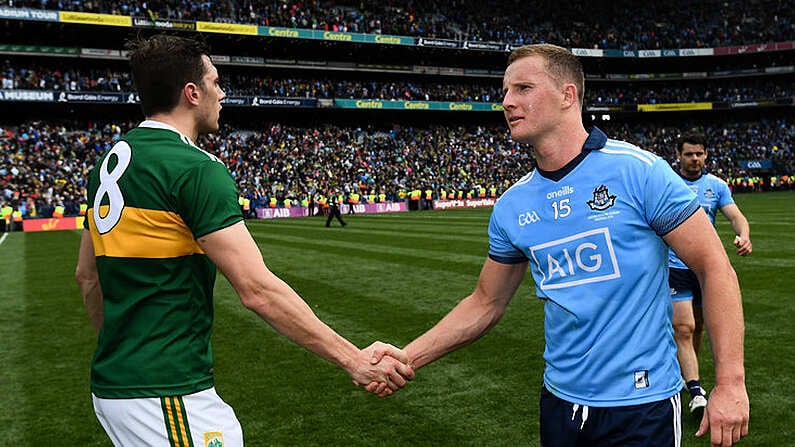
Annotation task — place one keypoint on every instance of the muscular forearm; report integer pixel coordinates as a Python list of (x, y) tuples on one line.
[(723, 316), (467, 322), (87, 279), (286, 312), (92, 300), (741, 228)]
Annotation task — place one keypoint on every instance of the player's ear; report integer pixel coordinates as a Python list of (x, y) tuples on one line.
[(569, 95), (191, 93)]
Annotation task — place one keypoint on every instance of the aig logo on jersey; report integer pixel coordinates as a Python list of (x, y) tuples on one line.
[(583, 258), (528, 217)]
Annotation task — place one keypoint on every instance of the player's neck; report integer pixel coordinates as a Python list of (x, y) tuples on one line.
[(690, 175), (557, 151), (173, 119)]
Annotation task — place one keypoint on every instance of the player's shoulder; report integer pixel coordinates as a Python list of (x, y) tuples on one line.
[(518, 188), (168, 144), (715, 179), (617, 151)]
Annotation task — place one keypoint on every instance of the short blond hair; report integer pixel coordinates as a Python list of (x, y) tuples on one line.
[(562, 64)]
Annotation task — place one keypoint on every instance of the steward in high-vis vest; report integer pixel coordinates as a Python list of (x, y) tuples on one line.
[(6, 212), (353, 199), (16, 217), (414, 200), (323, 201)]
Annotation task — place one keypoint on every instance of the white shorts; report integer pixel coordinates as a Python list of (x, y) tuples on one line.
[(201, 419)]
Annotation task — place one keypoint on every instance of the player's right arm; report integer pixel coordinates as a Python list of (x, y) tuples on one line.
[(471, 318), (697, 244), (88, 281), (741, 228), (237, 256)]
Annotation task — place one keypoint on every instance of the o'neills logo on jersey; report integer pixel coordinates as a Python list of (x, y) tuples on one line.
[(602, 199), (566, 190)]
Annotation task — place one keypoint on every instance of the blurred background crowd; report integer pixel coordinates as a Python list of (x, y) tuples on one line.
[(44, 163), (39, 77), (588, 24), (44, 166)]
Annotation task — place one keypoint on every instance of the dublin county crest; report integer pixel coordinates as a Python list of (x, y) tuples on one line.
[(602, 199)]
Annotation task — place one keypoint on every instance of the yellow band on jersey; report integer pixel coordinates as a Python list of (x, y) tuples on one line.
[(143, 233)]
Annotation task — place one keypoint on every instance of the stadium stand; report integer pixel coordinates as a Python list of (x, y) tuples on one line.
[(288, 130), (43, 77), (610, 25)]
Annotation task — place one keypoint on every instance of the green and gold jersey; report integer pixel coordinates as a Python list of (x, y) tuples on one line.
[(150, 197)]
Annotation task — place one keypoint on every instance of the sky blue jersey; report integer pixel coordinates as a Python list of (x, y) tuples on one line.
[(713, 194), (593, 237)]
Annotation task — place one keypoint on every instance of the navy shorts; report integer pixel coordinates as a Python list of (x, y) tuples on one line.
[(683, 283), (564, 424)]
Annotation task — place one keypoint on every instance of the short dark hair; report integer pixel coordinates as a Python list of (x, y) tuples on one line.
[(561, 64), (696, 138), (161, 66)]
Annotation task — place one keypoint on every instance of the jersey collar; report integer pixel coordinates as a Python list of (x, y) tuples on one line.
[(703, 173), (153, 124), (596, 140)]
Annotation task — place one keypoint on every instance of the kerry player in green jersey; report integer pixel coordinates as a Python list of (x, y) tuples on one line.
[(163, 214)]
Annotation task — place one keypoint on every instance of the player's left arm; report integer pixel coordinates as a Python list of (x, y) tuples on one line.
[(741, 228), (88, 279), (698, 245)]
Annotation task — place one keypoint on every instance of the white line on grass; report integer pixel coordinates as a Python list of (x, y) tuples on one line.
[(2, 239)]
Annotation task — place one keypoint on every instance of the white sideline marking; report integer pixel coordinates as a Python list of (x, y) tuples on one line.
[(2, 239)]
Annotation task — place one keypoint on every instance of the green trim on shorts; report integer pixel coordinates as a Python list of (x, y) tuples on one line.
[(175, 417)]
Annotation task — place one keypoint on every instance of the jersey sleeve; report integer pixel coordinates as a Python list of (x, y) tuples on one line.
[(724, 194), (207, 198), (500, 248), (667, 199)]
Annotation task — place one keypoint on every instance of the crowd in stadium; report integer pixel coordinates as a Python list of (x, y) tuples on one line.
[(37, 77), (580, 24), (44, 166)]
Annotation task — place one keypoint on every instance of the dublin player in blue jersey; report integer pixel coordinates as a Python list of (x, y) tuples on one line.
[(713, 195), (594, 222)]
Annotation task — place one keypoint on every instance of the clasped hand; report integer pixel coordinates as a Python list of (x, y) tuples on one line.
[(382, 369)]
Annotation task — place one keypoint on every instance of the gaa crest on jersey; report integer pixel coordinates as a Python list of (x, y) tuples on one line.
[(709, 193), (602, 199)]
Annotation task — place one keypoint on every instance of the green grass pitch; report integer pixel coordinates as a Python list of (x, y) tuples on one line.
[(387, 277)]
